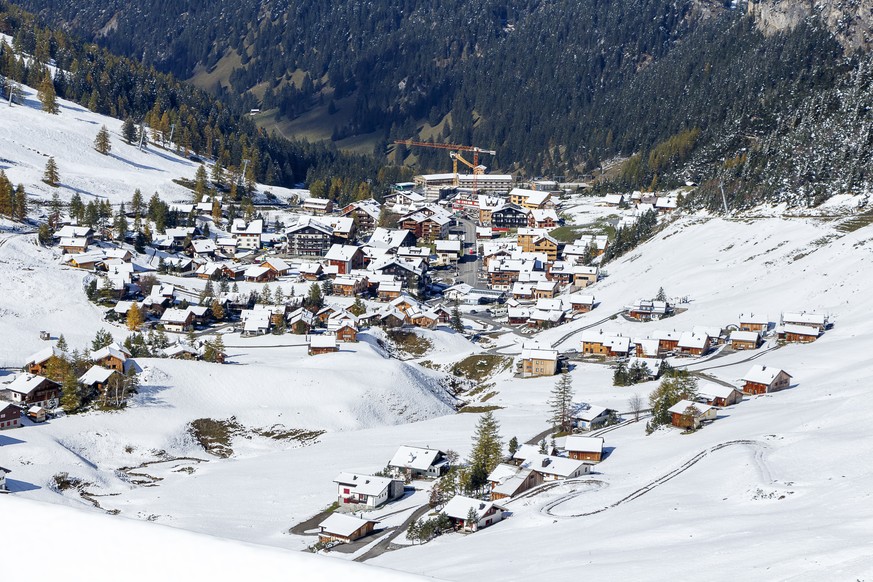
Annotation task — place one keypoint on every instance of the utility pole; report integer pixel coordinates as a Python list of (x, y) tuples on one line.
[(245, 167), (141, 135), (723, 197)]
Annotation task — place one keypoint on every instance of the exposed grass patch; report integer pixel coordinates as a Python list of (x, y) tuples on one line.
[(215, 436), (479, 409), (480, 367), (281, 433), (410, 342), (856, 222), (489, 396)]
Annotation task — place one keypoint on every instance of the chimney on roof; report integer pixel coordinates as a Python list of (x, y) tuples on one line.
[(546, 462)]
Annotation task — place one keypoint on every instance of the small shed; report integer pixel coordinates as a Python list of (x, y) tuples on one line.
[(322, 344), (584, 448), (343, 528)]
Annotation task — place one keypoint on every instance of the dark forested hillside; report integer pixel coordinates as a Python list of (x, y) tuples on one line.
[(688, 89)]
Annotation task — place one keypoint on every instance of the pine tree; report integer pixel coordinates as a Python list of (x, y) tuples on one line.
[(457, 323), (358, 307), (135, 318), (47, 95), (102, 143), (315, 300), (487, 449), (217, 311), (121, 226), (561, 403), (679, 385), (71, 400), (327, 287), (19, 211), (661, 296), (128, 130), (279, 297), (513, 446), (266, 295), (62, 344), (201, 188), (217, 174), (102, 339), (216, 211), (50, 175)]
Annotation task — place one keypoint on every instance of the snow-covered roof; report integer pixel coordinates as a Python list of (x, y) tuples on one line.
[(341, 252), (683, 405), (418, 458), (342, 524), (539, 354), (754, 318), (744, 336), (689, 339), (713, 390), (459, 507), (448, 246), (579, 299), (583, 444), (322, 341), (549, 465), (96, 374), (114, 349), (26, 383), (648, 347), (174, 315), (364, 484), (239, 226), (592, 412), (255, 271), (277, 263), (206, 245), (311, 268), (801, 329), (760, 374), (73, 242), (71, 231), (805, 318), (44, 354)]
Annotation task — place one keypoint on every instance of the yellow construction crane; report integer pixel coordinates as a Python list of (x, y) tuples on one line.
[(455, 155)]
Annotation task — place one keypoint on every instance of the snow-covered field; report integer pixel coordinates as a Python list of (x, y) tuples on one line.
[(777, 488)]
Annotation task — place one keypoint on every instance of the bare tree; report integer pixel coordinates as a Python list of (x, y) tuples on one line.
[(636, 404)]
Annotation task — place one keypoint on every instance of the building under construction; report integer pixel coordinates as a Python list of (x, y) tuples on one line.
[(435, 185)]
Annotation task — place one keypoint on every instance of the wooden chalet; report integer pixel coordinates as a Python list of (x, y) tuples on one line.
[(763, 380), (719, 394), (687, 414), (693, 344), (10, 417), (581, 303), (753, 322), (802, 334), (277, 265), (97, 378), (113, 357), (38, 363), (28, 389), (507, 481), (259, 274), (344, 528), (584, 448), (347, 334), (459, 509), (177, 320), (322, 344), (311, 271), (745, 340)]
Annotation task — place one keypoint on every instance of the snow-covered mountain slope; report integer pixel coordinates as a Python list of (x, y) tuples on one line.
[(780, 491), (144, 552), (28, 136)]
